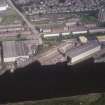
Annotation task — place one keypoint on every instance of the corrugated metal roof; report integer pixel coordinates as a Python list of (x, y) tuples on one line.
[(81, 49), (14, 49)]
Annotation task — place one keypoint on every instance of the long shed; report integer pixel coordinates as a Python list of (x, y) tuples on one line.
[(83, 52)]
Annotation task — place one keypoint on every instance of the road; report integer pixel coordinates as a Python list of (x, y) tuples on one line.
[(50, 57), (47, 58), (36, 35)]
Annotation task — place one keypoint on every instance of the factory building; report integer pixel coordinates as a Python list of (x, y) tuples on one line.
[(101, 39), (82, 52), (91, 31), (13, 50), (3, 7)]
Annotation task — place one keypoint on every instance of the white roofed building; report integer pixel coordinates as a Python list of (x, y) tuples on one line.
[(83, 52), (4, 7)]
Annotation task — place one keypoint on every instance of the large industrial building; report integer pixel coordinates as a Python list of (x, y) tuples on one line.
[(13, 50), (82, 52)]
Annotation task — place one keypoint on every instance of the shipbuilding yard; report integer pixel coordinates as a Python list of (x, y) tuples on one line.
[(51, 32), (51, 49)]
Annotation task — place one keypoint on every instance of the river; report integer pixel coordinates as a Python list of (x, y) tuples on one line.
[(40, 82)]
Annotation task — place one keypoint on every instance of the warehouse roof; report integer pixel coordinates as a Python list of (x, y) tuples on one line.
[(101, 38), (81, 49), (14, 49)]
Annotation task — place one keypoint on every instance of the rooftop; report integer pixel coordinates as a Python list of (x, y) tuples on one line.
[(81, 49), (14, 49)]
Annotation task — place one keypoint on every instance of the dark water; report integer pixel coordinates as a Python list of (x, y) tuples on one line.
[(40, 82)]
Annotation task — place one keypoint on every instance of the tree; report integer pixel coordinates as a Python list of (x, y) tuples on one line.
[(18, 36), (88, 32), (60, 37), (71, 34)]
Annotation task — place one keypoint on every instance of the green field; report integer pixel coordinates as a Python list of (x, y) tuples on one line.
[(88, 19), (9, 17)]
